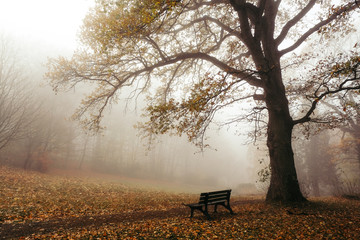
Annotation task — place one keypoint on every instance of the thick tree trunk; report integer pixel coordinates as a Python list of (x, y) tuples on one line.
[(284, 185)]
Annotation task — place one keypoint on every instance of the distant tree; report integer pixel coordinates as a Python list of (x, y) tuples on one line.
[(346, 110), (15, 95), (346, 153), (205, 55), (48, 137), (316, 168)]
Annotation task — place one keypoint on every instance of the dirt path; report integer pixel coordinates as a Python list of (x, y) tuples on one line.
[(17, 230)]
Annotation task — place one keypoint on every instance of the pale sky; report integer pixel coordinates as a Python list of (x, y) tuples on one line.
[(51, 22)]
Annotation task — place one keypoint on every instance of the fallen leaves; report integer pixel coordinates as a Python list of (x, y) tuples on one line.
[(31, 196), (27, 198)]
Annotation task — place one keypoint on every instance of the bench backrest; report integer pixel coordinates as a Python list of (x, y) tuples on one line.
[(209, 197)]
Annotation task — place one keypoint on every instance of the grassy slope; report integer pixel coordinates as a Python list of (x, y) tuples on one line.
[(27, 197)]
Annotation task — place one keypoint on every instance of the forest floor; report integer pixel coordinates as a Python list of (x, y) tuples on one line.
[(40, 206)]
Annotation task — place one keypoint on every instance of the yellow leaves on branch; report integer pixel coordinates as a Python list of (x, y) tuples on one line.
[(341, 14), (345, 68), (112, 21), (191, 115)]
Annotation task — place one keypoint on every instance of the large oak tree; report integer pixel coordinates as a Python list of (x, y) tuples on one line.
[(205, 55)]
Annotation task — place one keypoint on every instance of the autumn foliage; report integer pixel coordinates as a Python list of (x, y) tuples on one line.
[(116, 210)]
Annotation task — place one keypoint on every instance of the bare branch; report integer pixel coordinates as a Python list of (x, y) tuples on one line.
[(349, 7), (314, 104), (293, 22)]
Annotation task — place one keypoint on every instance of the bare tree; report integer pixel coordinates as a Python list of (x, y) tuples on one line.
[(346, 111), (15, 95), (204, 56), (50, 135)]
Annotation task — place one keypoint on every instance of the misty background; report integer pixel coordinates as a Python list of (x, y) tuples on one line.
[(37, 132)]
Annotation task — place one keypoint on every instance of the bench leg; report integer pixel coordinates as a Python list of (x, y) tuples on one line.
[(227, 206), (192, 212), (204, 211)]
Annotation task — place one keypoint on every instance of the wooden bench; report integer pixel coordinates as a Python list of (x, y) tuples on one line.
[(211, 198)]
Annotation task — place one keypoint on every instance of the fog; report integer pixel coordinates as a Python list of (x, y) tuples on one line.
[(47, 140), (51, 140)]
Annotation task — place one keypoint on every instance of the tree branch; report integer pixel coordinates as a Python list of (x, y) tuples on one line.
[(293, 22), (332, 17), (341, 88), (243, 74)]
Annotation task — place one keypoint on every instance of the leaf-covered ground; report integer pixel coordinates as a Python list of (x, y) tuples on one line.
[(39, 206)]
